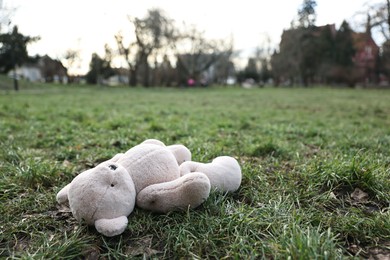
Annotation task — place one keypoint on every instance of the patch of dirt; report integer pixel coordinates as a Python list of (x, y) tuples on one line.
[(20, 243), (249, 159), (142, 247), (379, 252), (63, 213), (312, 150), (357, 198), (92, 254), (63, 217)]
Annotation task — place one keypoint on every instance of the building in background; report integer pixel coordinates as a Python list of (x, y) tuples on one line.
[(44, 69)]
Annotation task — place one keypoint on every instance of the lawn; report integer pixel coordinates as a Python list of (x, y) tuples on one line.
[(315, 164)]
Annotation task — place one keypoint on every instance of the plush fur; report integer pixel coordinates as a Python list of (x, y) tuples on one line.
[(224, 172), (150, 175)]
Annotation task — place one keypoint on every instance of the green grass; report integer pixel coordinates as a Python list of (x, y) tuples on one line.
[(303, 152)]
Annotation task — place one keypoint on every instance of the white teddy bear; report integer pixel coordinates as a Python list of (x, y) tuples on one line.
[(150, 175)]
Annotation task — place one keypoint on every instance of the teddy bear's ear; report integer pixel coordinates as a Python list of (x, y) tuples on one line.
[(62, 195), (116, 157), (111, 227), (153, 141)]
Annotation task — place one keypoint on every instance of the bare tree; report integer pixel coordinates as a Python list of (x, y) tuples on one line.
[(5, 16), (152, 34), (195, 53), (263, 55), (129, 55), (100, 68), (71, 58), (379, 17), (376, 19), (375, 16), (307, 14), (157, 37)]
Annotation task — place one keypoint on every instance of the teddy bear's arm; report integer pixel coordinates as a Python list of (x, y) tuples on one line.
[(62, 195), (181, 153), (186, 191), (111, 227)]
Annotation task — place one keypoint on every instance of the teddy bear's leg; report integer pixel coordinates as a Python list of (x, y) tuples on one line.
[(190, 166), (224, 172), (62, 195), (187, 191)]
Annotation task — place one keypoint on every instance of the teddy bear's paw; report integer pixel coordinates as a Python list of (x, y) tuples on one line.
[(111, 227), (190, 190), (225, 173)]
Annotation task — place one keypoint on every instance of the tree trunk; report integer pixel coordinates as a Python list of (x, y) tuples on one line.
[(133, 78), (144, 67), (146, 75), (13, 58), (388, 13), (16, 84)]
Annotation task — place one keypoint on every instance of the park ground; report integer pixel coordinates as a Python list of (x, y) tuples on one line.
[(315, 164)]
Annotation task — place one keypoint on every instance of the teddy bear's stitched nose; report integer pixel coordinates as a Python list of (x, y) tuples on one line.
[(112, 167)]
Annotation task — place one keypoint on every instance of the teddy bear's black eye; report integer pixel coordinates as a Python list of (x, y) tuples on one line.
[(112, 167)]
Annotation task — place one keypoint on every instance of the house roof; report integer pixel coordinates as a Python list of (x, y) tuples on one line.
[(361, 40)]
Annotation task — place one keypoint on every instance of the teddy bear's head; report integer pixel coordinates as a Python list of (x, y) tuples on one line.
[(102, 195)]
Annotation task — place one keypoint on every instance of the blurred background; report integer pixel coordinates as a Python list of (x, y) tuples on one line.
[(199, 43)]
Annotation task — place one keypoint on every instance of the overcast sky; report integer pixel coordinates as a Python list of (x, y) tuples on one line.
[(88, 24)]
